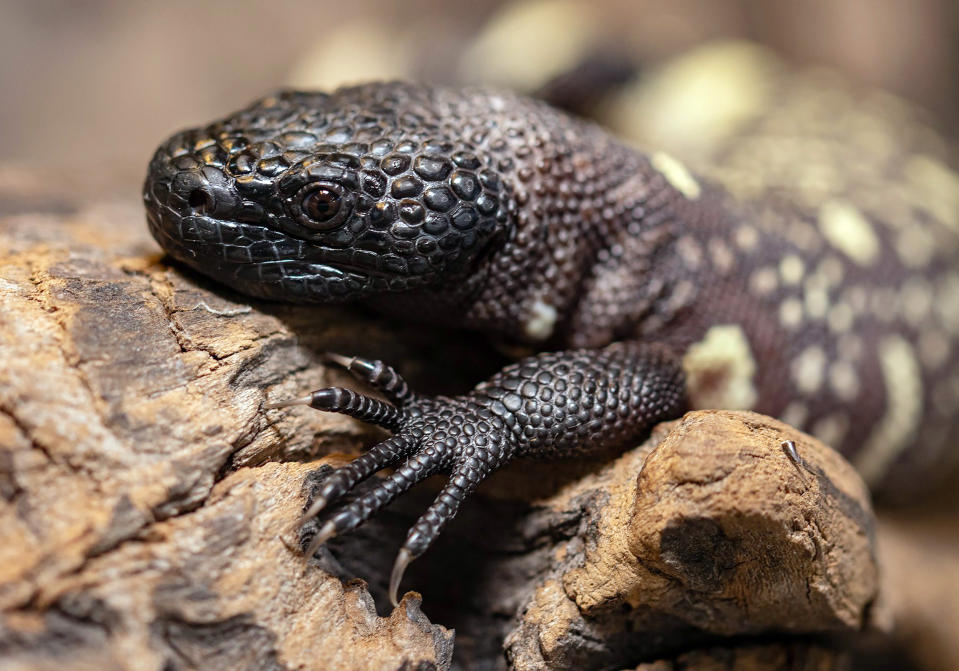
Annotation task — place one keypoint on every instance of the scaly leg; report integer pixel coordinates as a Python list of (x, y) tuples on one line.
[(550, 405)]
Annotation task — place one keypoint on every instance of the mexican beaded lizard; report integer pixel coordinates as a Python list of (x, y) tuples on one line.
[(647, 287)]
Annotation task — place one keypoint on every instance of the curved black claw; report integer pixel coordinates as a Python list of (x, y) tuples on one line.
[(553, 405)]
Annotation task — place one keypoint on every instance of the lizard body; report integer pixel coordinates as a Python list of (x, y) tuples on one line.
[(489, 211)]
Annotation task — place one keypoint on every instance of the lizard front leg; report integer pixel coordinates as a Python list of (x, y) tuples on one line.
[(551, 405)]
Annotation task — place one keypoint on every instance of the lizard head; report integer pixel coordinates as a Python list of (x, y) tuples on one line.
[(314, 197)]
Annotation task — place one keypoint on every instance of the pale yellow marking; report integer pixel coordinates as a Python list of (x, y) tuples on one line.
[(690, 251), (947, 303), (937, 186), (934, 348), (840, 318), (808, 368), (817, 301), (764, 281), (831, 429), (676, 174), (903, 383), (916, 298), (721, 255), (790, 313), (747, 238), (723, 354), (795, 414), (541, 322), (848, 230), (791, 269), (682, 296), (843, 380)]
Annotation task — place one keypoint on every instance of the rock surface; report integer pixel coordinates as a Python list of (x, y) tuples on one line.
[(147, 496)]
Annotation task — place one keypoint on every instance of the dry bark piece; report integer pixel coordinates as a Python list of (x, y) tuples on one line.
[(130, 398), (722, 534)]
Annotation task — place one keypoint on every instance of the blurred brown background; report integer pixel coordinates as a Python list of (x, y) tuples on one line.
[(91, 86)]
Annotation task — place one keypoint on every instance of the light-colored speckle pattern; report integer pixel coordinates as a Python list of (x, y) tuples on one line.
[(790, 313), (690, 252), (747, 238), (849, 231), (722, 256), (720, 370), (541, 322), (795, 413), (844, 381), (841, 318), (676, 174), (763, 281), (808, 369), (831, 429), (902, 380), (791, 269)]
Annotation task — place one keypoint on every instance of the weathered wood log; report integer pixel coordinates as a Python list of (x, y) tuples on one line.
[(148, 497)]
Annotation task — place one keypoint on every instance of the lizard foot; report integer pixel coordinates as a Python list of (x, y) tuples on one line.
[(432, 434), (549, 405)]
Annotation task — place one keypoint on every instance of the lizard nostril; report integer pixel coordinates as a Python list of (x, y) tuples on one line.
[(200, 201)]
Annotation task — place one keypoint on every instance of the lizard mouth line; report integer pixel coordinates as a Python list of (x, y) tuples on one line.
[(197, 236)]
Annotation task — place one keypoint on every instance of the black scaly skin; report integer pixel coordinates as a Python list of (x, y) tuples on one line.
[(484, 210)]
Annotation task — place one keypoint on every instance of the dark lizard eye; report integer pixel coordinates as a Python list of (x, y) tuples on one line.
[(322, 206)]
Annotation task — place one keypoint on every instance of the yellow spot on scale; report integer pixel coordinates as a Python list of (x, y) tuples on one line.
[(790, 313), (764, 281), (817, 301), (848, 230), (541, 322), (676, 174), (844, 381), (840, 318), (721, 255), (720, 370), (690, 251), (831, 429), (795, 414), (747, 238), (791, 269), (903, 383), (808, 369)]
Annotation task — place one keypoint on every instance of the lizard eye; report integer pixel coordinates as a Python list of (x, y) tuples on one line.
[(323, 206)]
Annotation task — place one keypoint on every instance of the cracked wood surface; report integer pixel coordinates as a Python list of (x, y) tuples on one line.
[(146, 496)]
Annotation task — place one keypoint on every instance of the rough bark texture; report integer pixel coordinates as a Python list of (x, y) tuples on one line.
[(147, 498)]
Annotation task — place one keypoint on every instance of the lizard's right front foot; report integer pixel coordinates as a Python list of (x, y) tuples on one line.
[(553, 404)]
